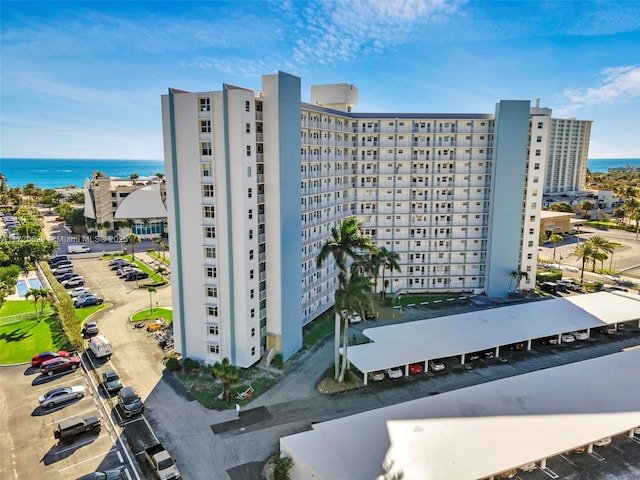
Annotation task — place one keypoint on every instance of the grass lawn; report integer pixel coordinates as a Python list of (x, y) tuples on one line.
[(206, 390), (15, 307), (19, 341), (153, 314), (318, 329)]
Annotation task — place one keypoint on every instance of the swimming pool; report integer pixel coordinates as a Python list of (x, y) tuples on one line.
[(23, 286)]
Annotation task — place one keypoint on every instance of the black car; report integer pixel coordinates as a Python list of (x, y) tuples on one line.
[(58, 259), (136, 275), (130, 402), (67, 276), (88, 302), (111, 382)]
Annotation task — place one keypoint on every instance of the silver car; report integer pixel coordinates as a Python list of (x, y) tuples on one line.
[(61, 395)]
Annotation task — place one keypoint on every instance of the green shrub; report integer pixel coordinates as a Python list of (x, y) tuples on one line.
[(190, 365), (173, 364), (592, 286), (549, 276)]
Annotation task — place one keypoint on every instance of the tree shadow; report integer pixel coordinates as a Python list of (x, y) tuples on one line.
[(16, 335)]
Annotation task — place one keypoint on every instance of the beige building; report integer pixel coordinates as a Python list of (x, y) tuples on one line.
[(559, 222), (115, 207)]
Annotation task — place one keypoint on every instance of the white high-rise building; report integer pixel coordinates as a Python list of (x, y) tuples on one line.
[(256, 182)]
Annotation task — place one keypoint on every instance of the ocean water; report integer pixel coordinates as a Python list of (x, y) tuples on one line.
[(56, 173), (602, 165)]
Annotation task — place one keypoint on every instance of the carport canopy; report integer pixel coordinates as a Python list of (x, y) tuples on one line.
[(418, 341)]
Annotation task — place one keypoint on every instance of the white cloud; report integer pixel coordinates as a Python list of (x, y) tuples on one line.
[(618, 84), (332, 32)]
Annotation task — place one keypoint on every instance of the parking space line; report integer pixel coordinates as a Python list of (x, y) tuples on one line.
[(550, 473), (568, 461), (52, 385), (75, 446), (88, 459), (126, 471), (597, 457), (617, 448), (66, 418), (120, 456)]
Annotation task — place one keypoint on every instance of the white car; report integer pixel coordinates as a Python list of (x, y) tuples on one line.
[(567, 338), (79, 291), (528, 467), (394, 372), (355, 318), (436, 365), (580, 335), (73, 282), (61, 395), (376, 376), (603, 442)]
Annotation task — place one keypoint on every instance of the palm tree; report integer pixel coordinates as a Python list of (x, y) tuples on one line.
[(227, 374), (517, 275), (599, 245), (352, 296), (151, 289), (36, 293), (555, 239), (164, 247), (376, 262), (583, 252), (45, 296), (132, 239), (390, 261), (345, 243)]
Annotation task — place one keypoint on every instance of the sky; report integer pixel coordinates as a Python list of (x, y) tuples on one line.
[(84, 79)]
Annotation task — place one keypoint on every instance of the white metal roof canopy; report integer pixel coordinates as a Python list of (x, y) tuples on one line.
[(442, 337)]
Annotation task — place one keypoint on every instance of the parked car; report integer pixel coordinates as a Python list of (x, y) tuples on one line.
[(82, 296), (608, 329), (603, 442), (59, 365), (39, 358), (57, 258), (415, 368), (369, 316), (136, 275), (528, 467), (436, 365), (518, 346), (130, 402), (61, 395), (355, 318), (549, 340), (75, 292), (124, 271), (376, 376), (68, 429), (88, 302), (73, 282), (66, 276), (580, 334), (394, 372), (103, 475), (90, 328), (121, 264), (62, 270), (111, 382), (567, 338), (115, 261)]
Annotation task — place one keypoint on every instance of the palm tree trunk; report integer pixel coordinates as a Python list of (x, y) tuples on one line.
[(384, 286), (584, 259), (336, 349), (345, 341)]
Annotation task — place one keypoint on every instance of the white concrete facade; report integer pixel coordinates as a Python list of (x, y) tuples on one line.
[(272, 188)]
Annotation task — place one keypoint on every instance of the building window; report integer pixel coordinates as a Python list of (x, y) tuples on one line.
[(253, 351), (532, 218), (253, 332), (247, 106), (210, 252), (212, 311), (540, 124), (538, 152), (251, 274), (539, 139), (205, 105), (253, 313), (248, 150), (249, 192), (205, 148), (207, 190), (529, 256), (214, 349), (250, 214), (250, 234), (531, 231), (212, 292), (205, 126), (248, 127), (250, 254), (206, 170), (209, 211), (210, 232), (211, 272), (213, 330), (530, 243), (536, 166), (248, 171), (252, 293)]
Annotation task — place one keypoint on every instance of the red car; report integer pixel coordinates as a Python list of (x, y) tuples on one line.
[(39, 358), (416, 368), (60, 364)]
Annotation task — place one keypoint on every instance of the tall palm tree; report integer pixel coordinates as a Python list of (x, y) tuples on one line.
[(45, 296), (132, 239), (352, 296), (555, 239), (345, 244), (376, 262), (390, 261), (517, 275), (600, 245), (583, 252), (227, 374), (36, 293), (151, 289)]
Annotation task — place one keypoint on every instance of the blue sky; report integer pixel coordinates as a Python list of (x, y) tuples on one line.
[(84, 79)]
